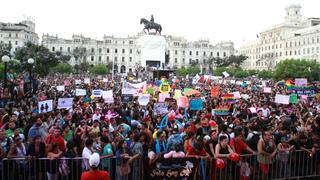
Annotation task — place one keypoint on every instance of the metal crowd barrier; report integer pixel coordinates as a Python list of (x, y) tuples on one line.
[(297, 165)]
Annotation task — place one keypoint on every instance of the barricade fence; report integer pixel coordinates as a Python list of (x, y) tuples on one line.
[(293, 165)]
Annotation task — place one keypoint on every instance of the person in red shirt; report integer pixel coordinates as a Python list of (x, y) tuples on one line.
[(94, 173), (57, 138), (197, 149), (238, 145)]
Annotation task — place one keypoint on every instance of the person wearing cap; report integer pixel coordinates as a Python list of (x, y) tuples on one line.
[(175, 138), (94, 173)]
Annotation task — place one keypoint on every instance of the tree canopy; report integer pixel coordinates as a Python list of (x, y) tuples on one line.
[(99, 69), (232, 60), (63, 68), (291, 68)]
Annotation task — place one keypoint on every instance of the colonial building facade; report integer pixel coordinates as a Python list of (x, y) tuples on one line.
[(18, 34), (125, 53), (293, 39)]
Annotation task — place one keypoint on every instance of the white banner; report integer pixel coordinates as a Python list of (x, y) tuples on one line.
[(45, 106), (129, 88), (60, 88), (267, 89), (226, 74), (81, 92), (144, 99), (108, 96), (282, 99), (65, 103), (97, 93)]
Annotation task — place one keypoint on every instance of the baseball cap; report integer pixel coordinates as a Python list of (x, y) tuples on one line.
[(94, 160)]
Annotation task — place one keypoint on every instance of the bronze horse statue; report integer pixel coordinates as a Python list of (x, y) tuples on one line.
[(150, 25)]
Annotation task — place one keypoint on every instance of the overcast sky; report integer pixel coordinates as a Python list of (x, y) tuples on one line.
[(216, 20)]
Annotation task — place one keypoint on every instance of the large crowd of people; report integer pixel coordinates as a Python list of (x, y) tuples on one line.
[(128, 131)]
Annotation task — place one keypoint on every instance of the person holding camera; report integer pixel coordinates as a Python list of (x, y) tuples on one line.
[(266, 152)]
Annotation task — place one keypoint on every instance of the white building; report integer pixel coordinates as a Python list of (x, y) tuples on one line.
[(18, 34), (293, 39), (125, 53)]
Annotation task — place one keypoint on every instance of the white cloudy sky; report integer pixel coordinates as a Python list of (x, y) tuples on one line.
[(217, 20)]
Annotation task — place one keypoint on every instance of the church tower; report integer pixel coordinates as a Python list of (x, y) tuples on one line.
[(293, 16)]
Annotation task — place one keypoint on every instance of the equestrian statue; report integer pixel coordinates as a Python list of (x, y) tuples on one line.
[(151, 25)]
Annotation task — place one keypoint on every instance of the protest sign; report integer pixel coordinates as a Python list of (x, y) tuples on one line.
[(215, 91), (196, 104), (183, 102), (87, 80), (97, 93), (130, 88), (77, 82), (108, 96), (105, 80), (81, 92), (303, 90), (267, 89), (300, 82), (253, 110), (176, 168), (125, 98), (45, 106), (293, 98), (163, 96), (66, 83), (282, 99), (245, 96), (160, 108), (60, 88), (236, 95), (165, 88), (177, 93), (65, 103), (144, 99)]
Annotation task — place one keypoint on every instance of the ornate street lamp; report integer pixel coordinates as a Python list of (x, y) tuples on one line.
[(5, 59), (30, 62)]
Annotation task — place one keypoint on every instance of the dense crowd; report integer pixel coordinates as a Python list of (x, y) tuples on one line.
[(129, 131)]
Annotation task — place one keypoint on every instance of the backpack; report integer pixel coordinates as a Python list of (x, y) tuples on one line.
[(253, 142), (64, 168)]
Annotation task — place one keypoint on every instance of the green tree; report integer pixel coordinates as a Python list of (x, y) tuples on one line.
[(240, 73), (292, 68), (63, 68), (182, 71), (79, 53), (219, 70), (252, 72), (43, 58), (193, 70), (232, 60), (265, 74), (5, 49), (84, 66), (99, 69)]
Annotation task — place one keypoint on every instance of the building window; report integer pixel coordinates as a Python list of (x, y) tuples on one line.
[(108, 41), (190, 60), (317, 49), (280, 54), (175, 60), (16, 35), (92, 50), (130, 42), (130, 51), (211, 53), (218, 54), (122, 59), (92, 58), (225, 54), (123, 51), (9, 35), (197, 61), (175, 52), (183, 52), (183, 60), (107, 58), (61, 49), (108, 50), (115, 50), (16, 42), (68, 49), (190, 53), (53, 49), (116, 59), (99, 58), (130, 59), (100, 50), (197, 53), (204, 53)]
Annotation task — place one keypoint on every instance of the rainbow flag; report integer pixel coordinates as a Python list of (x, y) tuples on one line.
[(289, 83), (222, 110), (228, 98)]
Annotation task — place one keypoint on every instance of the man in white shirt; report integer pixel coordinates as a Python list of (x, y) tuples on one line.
[(265, 111), (96, 115), (86, 153)]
